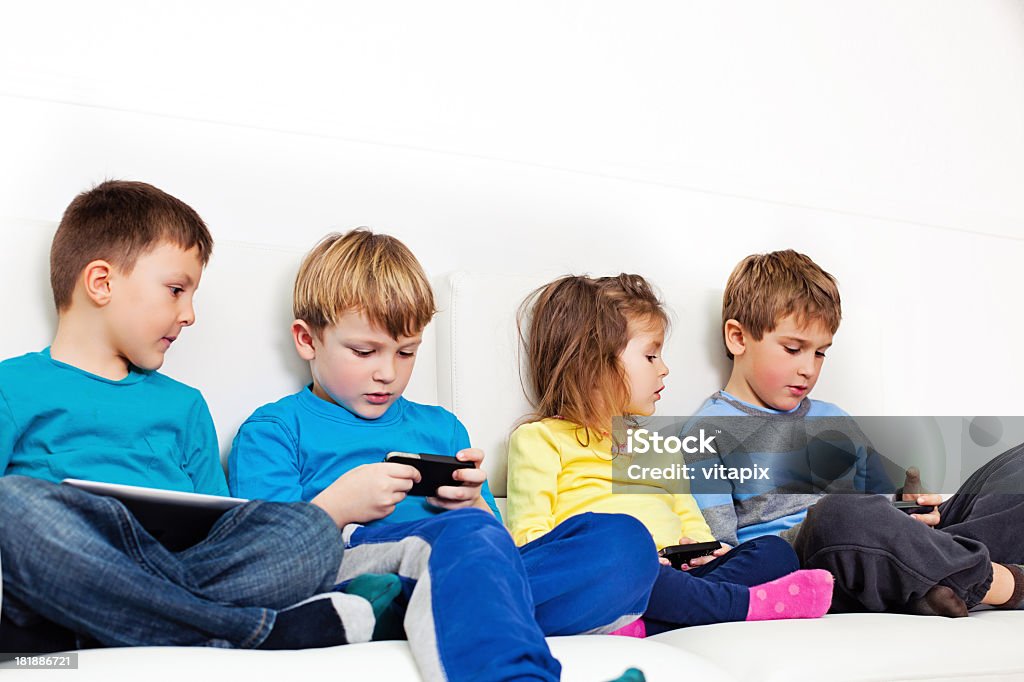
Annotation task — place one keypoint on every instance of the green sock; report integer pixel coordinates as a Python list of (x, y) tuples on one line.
[(631, 675), (380, 589)]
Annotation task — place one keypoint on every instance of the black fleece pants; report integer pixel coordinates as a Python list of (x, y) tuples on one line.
[(882, 559)]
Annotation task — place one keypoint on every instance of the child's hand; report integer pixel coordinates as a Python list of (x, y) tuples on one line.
[(467, 494), (701, 560), (367, 493), (933, 517)]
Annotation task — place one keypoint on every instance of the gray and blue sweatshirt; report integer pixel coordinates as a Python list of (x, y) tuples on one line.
[(799, 456)]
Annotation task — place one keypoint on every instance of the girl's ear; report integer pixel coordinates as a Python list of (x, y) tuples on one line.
[(735, 337), (303, 337)]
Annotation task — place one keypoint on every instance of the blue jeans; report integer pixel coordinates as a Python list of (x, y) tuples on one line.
[(479, 608), (84, 562)]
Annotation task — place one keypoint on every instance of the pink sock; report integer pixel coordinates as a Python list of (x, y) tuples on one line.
[(801, 594), (634, 629)]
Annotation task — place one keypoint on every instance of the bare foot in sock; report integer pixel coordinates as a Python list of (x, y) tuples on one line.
[(1015, 600), (939, 601), (801, 594)]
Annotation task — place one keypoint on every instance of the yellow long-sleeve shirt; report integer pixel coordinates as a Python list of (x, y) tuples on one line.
[(552, 477)]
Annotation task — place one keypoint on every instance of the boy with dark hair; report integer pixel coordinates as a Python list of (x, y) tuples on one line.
[(780, 311), (125, 263)]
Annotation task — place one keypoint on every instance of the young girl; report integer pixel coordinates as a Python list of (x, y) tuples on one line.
[(593, 351)]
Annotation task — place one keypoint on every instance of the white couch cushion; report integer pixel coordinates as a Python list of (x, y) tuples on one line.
[(863, 646), (583, 658)]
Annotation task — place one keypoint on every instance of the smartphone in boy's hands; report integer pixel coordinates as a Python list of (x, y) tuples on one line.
[(912, 507), (435, 470)]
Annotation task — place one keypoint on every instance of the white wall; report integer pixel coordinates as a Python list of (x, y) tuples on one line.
[(885, 138)]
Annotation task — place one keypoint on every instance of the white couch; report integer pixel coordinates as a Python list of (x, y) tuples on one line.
[(239, 354)]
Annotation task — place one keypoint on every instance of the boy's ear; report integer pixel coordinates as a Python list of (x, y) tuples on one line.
[(303, 337), (96, 279), (735, 337)]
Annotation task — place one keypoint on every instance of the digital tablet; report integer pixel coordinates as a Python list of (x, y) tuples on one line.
[(177, 520)]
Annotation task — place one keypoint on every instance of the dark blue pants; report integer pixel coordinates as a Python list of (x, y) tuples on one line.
[(717, 592)]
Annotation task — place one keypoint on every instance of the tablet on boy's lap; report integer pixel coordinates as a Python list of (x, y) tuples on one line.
[(178, 520)]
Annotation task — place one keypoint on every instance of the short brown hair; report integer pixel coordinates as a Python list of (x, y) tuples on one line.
[(118, 221), (374, 274), (766, 287), (577, 328)]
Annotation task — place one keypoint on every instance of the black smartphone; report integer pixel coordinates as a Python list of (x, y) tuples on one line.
[(435, 470), (683, 554), (911, 507)]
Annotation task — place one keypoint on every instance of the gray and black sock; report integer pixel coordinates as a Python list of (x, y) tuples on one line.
[(322, 620)]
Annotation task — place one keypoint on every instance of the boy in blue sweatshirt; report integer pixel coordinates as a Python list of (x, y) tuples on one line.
[(476, 606), (780, 311)]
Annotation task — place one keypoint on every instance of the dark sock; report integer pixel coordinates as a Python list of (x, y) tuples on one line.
[(939, 601), (391, 623), (381, 590), (321, 621), (1018, 587)]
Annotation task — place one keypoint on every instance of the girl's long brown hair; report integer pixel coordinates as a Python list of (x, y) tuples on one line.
[(572, 331)]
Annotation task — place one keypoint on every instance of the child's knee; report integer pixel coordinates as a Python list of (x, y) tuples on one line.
[(302, 531), (471, 517), (843, 518), (476, 523), (621, 541), (773, 550)]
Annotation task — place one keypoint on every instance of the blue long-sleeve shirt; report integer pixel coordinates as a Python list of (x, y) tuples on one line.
[(294, 448)]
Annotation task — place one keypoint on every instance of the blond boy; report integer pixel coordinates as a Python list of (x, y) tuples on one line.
[(477, 607)]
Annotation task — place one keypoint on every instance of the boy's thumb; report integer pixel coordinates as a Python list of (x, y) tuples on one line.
[(912, 484)]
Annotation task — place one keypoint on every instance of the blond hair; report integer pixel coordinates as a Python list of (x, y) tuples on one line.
[(577, 328), (766, 287), (374, 274)]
